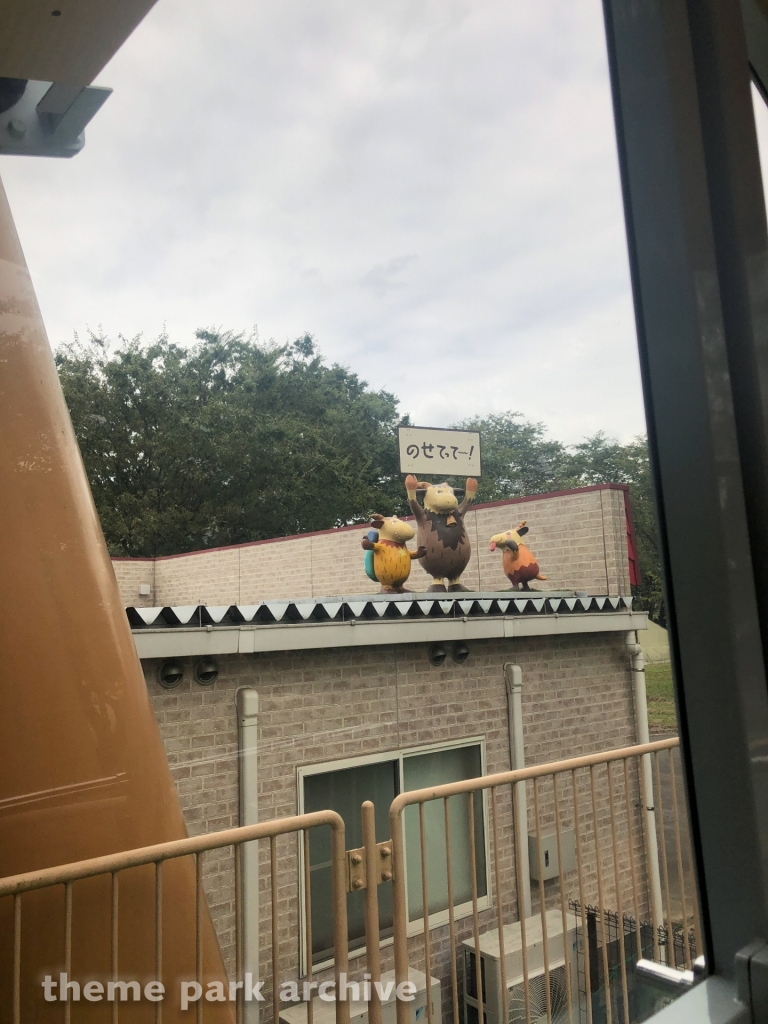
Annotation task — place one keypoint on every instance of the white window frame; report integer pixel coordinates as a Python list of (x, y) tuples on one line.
[(415, 926)]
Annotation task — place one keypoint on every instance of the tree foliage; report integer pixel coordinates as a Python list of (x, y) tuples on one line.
[(603, 460), (518, 458), (228, 441), (232, 440)]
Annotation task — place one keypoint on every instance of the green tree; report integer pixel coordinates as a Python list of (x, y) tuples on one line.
[(227, 441), (600, 459), (518, 458), (232, 440)]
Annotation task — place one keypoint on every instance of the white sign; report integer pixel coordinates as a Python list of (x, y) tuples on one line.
[(436, 452)]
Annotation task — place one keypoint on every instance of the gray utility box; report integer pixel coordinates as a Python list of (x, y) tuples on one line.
[(550, 866)]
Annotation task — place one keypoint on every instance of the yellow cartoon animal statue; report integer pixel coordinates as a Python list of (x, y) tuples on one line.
[(440, 530), (518, 561), (387, 560)]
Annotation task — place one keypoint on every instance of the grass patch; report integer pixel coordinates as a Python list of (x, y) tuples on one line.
[(661, 701)]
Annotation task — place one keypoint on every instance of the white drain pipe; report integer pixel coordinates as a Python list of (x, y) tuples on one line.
[(247, 722), (513, 681), (637, 667)]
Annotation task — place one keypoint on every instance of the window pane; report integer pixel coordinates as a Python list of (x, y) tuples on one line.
[(434, 769), (345, 791)]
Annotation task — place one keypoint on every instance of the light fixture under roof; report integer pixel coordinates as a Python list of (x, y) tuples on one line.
[(206, 671), (170, 674)]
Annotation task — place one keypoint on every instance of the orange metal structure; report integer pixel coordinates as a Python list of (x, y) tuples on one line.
[(84, 773)]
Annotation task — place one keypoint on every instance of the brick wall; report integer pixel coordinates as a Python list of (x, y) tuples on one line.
[(130, 574), (317, 706), (579, 538)]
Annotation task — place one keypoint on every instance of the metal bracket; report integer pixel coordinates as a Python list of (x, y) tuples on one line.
[(669, 978), (49, 118), (357, 870), (752, 978)]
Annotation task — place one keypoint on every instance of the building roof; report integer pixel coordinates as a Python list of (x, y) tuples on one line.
[(306, 623), (65, 43)]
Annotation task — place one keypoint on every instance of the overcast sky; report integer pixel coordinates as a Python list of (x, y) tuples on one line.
[(429, 187)]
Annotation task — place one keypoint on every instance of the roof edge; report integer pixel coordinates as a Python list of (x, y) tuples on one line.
[(306, 636)]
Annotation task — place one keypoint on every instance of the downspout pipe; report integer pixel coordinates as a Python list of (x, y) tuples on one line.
[(642, 735), (513, 681), (247, 702)]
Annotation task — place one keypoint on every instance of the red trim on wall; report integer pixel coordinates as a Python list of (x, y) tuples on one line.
[(360, 526)]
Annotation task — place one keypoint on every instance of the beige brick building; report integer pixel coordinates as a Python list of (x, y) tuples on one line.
[(342, 704), (347, 686), (579, 538)]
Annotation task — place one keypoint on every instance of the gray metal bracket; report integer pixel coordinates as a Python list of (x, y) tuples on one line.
[(752, 979), (49, 119)]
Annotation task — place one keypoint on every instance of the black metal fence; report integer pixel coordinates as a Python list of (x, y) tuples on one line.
[(638, 943)]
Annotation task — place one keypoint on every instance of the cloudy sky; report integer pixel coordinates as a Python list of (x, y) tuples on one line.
[(427, 186)]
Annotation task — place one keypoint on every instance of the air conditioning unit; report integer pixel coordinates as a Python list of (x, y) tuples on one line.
[(562, 952), (324, 1011)]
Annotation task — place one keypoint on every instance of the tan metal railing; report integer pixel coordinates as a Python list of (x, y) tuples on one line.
[(614, 814), (632, 864), (114, 865)]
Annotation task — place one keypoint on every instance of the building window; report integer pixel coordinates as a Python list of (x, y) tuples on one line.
[(342, 786)]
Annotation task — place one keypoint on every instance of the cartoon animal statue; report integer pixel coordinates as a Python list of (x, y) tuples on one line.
[(441, 532), (387, 560), (518, 561)]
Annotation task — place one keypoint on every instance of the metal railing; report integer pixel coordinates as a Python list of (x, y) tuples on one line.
[(113, 867), (603, 798), (630, 892)]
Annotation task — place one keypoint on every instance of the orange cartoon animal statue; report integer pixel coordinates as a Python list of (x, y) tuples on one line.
[(387, 559), (518, 561)]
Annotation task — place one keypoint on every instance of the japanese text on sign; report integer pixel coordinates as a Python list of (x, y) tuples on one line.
[(429, 450)]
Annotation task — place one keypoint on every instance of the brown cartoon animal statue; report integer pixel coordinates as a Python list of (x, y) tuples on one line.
[(387, 560), (440, 531), (518, 561)]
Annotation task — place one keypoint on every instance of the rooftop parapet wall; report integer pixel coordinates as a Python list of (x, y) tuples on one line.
[(579, 538)]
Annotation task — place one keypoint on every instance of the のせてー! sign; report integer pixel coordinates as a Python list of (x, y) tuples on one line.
[(437, 452)]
